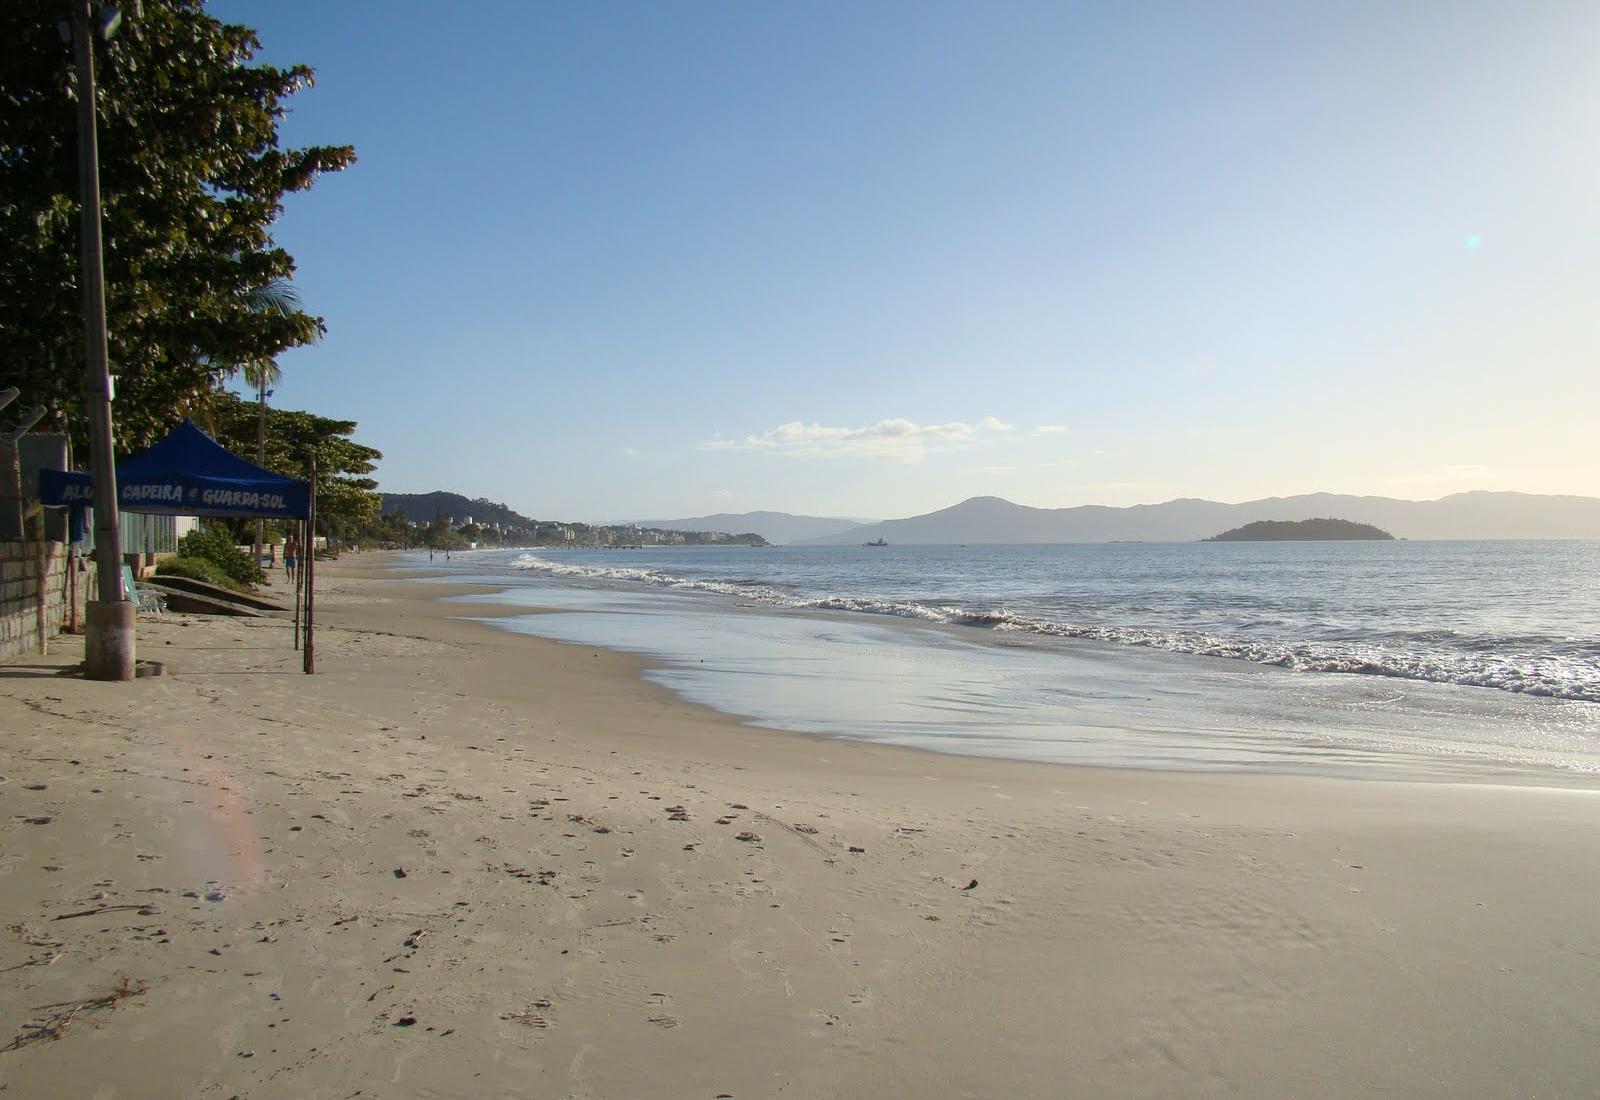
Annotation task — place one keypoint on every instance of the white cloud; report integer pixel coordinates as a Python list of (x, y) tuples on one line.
[(1049, 429), (628, 452), (991, 469), (896, 440)]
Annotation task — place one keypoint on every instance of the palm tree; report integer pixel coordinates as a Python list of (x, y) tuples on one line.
[(279, 297)]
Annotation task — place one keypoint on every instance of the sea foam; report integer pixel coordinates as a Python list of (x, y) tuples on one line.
[(1485, 662)]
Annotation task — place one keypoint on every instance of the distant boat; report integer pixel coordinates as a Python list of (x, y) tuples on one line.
[(876, 542)]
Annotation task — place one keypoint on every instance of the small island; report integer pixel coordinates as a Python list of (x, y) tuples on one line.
[(1305, 530)]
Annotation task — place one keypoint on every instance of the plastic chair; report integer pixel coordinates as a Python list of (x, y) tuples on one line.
[(142, 599)]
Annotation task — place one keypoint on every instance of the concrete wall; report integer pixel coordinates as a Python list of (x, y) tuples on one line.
[(25, 569)]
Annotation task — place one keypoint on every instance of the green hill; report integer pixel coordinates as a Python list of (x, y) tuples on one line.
[(1305, 530), (425, 507)]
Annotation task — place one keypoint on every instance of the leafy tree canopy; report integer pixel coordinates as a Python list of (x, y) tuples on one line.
[(346, 497), (192, 178)]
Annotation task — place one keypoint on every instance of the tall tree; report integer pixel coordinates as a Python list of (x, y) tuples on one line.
[(346, 497), (193, 178)]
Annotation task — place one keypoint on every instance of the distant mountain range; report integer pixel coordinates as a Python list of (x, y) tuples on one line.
[(773, 526), (1476, 515)]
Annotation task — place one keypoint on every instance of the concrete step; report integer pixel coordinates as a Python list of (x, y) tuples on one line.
[(215, 592)]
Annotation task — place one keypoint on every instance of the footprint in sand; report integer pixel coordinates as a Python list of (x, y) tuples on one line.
[(664, 1021)]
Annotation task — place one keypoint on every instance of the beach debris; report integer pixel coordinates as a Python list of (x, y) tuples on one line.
[(42, 820), (405, 1021), (857, 850), (801, 827), (973, 885), (738, 806), (64, 1012), (531, 1016), (399, 872), (36, 786), (726, 820), (45, 961), (143, 910), (748, 837)]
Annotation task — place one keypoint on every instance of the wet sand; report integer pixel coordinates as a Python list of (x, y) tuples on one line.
[(460, 862)]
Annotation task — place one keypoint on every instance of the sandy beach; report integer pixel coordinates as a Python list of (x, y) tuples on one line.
[(463, 863)]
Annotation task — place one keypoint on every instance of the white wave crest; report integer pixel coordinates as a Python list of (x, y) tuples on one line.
[(1561, 676)]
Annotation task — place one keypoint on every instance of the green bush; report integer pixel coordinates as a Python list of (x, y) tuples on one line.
[(214, 543), (199, 569)]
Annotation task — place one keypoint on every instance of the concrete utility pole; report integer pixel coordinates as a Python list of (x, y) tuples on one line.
[(109, 637)]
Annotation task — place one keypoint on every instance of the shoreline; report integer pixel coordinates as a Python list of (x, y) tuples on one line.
[(560, 931), (1289, 745), (1371, 644)]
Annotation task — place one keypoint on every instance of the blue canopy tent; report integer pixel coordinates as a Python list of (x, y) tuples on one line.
[(187, 474), (190, 474)]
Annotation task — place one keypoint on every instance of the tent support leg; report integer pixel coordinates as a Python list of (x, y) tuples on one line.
[(310, 568), (299, 571)]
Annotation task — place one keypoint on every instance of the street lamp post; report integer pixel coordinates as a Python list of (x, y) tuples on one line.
[(109, 633)]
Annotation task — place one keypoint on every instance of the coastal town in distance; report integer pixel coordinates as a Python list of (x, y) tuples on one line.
[(408, 520)]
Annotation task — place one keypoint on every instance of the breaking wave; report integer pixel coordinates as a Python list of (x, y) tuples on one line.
[(1473, 662)]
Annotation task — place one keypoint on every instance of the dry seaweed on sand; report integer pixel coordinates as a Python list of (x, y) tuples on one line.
[(64, 1012)]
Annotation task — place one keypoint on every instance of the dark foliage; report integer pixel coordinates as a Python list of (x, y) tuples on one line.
[(346, 497), (1305, 530), (214, 542), (192, 177)]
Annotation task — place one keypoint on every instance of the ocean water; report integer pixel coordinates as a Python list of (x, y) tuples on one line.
[(1425, 659)]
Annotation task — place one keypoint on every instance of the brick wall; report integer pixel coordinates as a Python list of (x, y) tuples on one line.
[(25, 568)]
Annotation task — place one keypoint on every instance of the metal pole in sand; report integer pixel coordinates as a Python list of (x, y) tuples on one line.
[(299, 571), (310, 568)]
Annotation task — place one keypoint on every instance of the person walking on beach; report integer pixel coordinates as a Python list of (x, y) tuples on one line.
[(291, 554)]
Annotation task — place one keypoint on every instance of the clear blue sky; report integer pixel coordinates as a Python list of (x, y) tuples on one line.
[(595, 257)]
